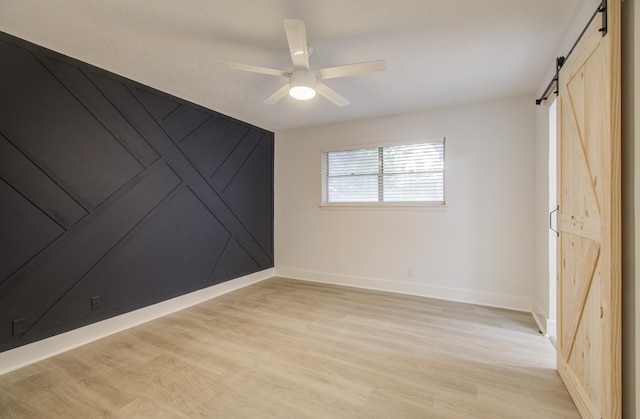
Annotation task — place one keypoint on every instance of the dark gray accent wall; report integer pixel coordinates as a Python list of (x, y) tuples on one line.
[(114, 190)]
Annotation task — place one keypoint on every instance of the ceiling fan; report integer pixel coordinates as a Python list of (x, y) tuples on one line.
[(304, 83)]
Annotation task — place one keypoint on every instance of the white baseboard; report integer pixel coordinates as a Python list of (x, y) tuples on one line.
[(42, 349), (541, 321), (511, 302), (546, 325)]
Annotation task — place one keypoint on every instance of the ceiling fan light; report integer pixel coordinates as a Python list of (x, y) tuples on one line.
[(302, 92), (302, 84)]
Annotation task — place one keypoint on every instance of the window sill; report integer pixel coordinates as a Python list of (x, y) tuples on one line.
[(396, 206)]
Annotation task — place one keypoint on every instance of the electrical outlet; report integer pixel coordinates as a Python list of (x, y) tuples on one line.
[(96, 303), (410, 272), (19, 326)]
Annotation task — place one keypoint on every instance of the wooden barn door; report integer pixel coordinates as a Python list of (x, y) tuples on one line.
[(589, 271)]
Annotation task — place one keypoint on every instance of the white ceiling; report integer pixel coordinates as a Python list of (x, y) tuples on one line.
[(438, 53)]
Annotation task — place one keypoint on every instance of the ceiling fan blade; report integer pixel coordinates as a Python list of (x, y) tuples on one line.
[(332, 95), (253, 68), (278, 95), (297, 38), (351, 69)]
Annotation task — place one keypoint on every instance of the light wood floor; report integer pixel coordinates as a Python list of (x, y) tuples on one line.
[(284, 348)]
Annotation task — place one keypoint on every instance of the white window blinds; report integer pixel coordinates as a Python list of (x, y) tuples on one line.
[(397, 173)]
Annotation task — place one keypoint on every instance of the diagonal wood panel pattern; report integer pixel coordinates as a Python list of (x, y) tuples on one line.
[(113, 189), (576, 286), (581, 202), (580, 250), (589, 221)]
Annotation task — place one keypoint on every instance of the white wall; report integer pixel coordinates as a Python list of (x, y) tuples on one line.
[(541, 305), (479, 249)]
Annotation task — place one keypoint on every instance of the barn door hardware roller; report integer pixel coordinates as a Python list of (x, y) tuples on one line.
[(602, 9)]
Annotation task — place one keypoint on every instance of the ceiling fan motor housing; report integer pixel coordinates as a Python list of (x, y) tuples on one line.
[(302, 84)]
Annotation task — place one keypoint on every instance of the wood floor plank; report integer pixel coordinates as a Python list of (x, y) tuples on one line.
[(286, 348)]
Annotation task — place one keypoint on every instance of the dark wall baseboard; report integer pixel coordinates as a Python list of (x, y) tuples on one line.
[(115, 196)]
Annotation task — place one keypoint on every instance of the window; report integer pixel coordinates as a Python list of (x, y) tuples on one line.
[(402, 174)]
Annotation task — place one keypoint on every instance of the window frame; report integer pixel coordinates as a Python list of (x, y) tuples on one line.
[(417, 205)]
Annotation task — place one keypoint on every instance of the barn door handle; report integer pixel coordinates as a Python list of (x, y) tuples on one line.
[(551, 219)]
